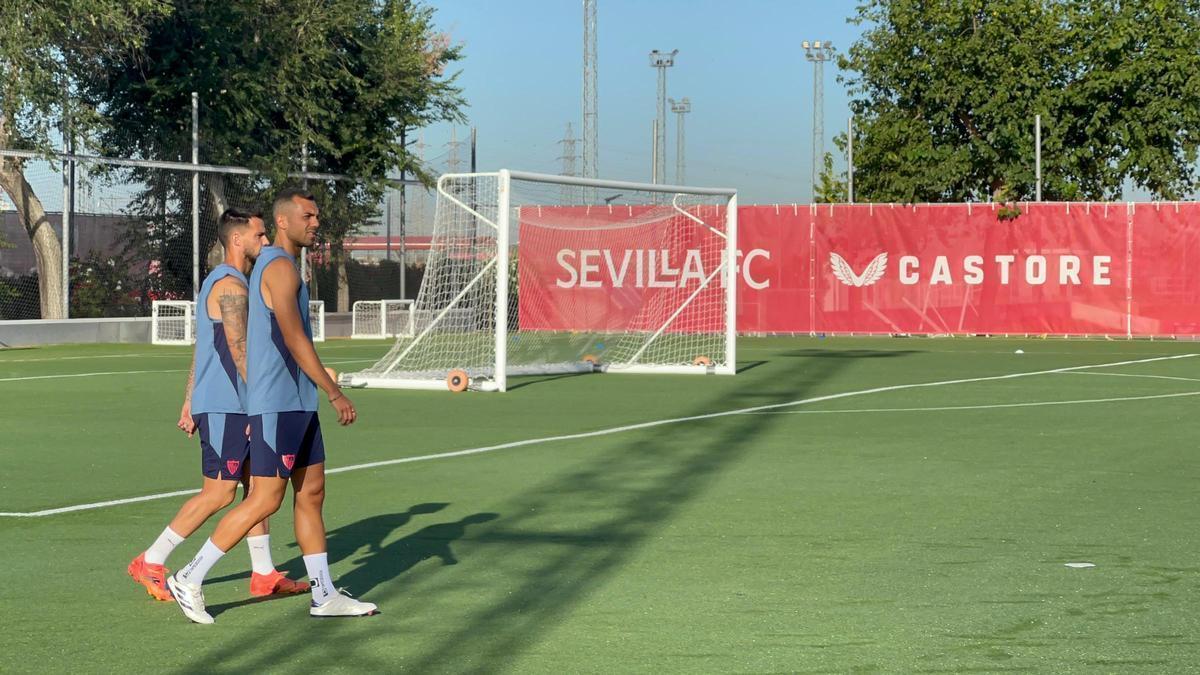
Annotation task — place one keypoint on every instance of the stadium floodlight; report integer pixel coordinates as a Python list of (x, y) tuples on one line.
[(518, 283), (661, 61), (818, 53)]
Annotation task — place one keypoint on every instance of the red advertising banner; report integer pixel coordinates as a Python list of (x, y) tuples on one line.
[(1056, 268), (1165, 250), (1061, 269), (620, 269), (775, 293)]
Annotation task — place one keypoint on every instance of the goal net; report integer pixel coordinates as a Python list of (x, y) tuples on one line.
[(381, 319), (538, 274), (173, 322)]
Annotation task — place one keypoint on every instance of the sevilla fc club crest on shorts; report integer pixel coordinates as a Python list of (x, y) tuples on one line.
[(288, 461), (232, 465)]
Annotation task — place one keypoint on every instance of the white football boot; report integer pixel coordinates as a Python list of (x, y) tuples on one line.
[(341, 604), (190, 599)]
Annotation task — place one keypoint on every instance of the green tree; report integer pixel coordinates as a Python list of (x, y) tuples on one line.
[(46, 49), (831, 188), (945, 94), (338, 79)]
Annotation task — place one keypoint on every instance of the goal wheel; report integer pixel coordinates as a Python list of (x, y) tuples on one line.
[(702, 361), (457, 380)]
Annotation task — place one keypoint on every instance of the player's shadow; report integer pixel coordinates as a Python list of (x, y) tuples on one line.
[(371, 532), (384, 563), (346, 540)]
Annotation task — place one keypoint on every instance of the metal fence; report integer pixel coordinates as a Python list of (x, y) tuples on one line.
[(84, 236)]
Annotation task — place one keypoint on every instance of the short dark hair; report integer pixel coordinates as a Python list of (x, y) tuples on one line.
[(232, 219), (286, 196)]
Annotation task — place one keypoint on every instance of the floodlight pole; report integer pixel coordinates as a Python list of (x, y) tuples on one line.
[(195, 196), (850, 161), (680, 109), (818, 52), (1037, 142), (661, 61)]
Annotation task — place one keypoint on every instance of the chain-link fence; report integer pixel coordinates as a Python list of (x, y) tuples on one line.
[(140, 231), (399, 237)]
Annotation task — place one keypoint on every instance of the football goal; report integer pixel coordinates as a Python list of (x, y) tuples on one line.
[(532, 274), (173, 322)]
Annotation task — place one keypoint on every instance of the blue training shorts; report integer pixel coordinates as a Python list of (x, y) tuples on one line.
[(283, 441), (223, 444)]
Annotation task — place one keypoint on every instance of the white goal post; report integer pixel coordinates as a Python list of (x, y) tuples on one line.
[(173, 322), (378, 319), (534, 274)]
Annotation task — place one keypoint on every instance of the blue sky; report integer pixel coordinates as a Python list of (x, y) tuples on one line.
[(741, 64)]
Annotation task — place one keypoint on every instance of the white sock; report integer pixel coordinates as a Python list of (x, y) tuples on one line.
[(196, 570), (162, 547), (317, 565), (260, 554)]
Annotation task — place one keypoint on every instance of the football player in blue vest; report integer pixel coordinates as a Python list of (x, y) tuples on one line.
[(283, 376), (215, 406)]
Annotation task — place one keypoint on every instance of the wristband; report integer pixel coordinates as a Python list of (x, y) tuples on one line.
[(340, 394)]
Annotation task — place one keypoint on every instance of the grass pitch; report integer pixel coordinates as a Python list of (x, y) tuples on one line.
[(815, 513)]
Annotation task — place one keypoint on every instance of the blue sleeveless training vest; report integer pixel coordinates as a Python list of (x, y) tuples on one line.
[(217, 387), (276, 383)]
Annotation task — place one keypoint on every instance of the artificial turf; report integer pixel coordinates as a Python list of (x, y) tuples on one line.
[(921, 529)]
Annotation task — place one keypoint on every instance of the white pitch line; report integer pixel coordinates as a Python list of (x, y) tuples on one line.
[(620, 429), (1032, 404), (137, 372), (88, 358), (112, 372), (1152, 377)]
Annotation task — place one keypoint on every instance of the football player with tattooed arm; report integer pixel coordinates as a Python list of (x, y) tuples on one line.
[(214, 405), (285, 377)]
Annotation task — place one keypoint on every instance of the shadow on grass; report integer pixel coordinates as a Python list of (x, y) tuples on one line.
[(566, 537), (526, 381), (745, 366), (346, 540), (850, 353), (217, 610), (385, 563)]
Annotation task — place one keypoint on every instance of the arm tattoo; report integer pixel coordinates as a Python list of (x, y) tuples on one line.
[(234, 308), (187, 394)]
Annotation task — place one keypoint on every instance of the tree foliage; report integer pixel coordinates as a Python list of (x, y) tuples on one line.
[(336, 81), (945, 95), (45, 49), (830, 188), (47, 46), (339, 77)]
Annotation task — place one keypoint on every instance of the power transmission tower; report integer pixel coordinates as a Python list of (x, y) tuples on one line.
[(568, 158), (680, 109), (662, 61), (818, 52), (452, 160), (569, 155), (591, 119)]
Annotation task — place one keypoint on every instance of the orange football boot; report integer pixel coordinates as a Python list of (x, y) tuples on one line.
[(275, 583), (153, 577)]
